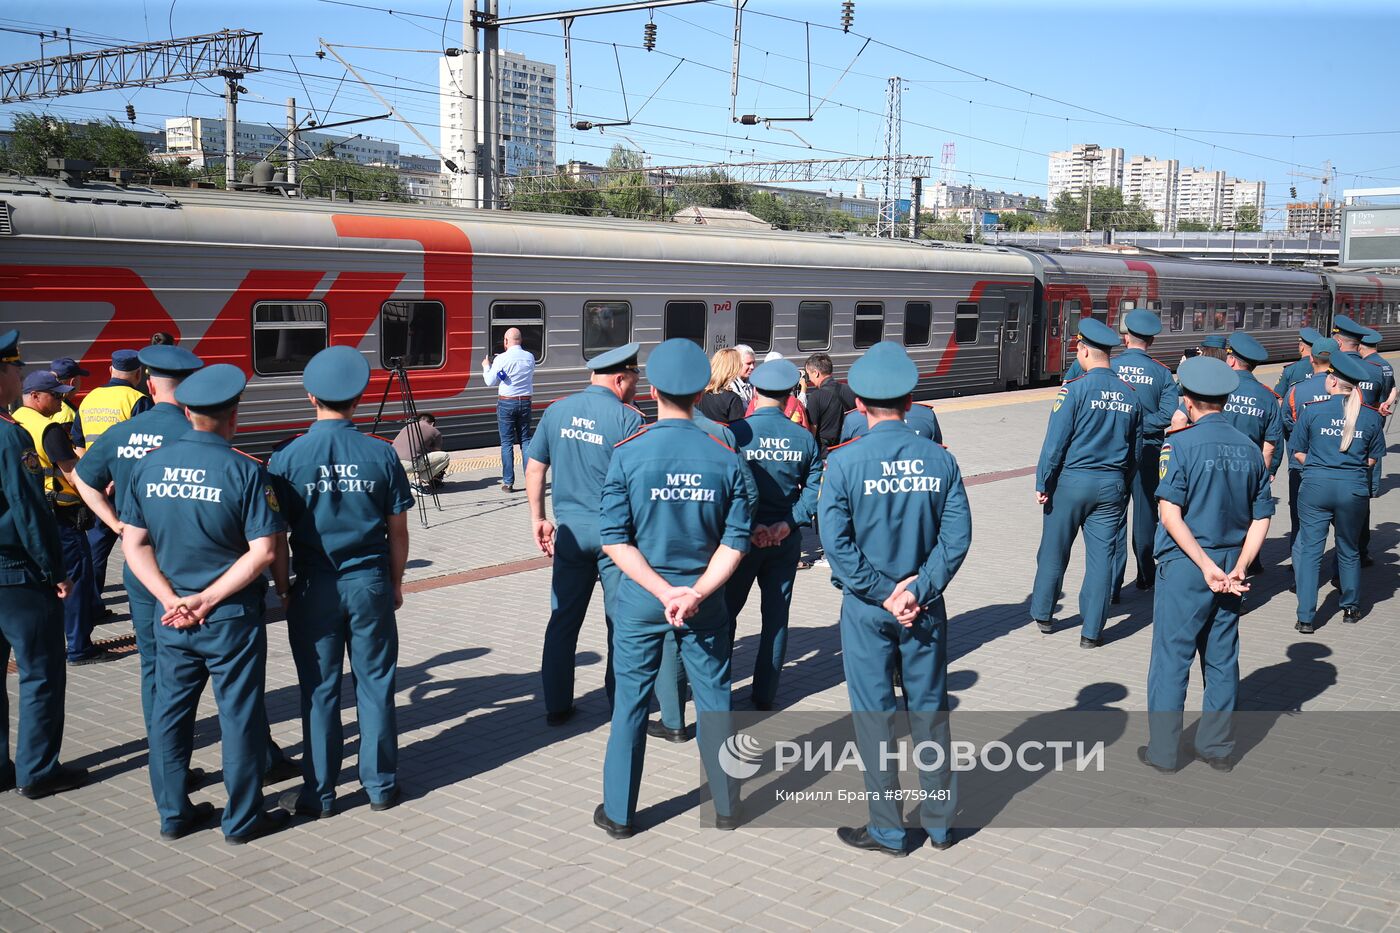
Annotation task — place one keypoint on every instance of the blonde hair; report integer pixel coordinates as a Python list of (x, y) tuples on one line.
[(1352, 410), (725, 367)]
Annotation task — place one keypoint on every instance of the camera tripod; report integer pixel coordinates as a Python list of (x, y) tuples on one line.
[(398, 376)]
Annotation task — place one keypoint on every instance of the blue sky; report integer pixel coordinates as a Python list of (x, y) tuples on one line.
[(1259, 89)]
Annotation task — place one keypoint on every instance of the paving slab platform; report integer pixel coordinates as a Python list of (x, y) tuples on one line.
[(497, 831)]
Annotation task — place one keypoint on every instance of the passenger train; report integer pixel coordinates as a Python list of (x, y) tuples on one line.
[(263, 280)]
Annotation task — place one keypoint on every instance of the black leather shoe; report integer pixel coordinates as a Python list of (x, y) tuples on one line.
[(858, 837), (762, 707), (1143, 583), (63, 779), (388, 803), (507, 487), (659, 730), (1087, 642), (1142, 757), (267, 824), (561, 717), (284, 770), (194, 778), (730, 822), (7, 783), (291, 802), (100, 656), (1351, 615), (1367, 560), (1219, 764), (615, 830), (946, 844), (898, 679), (1117, 598), (203, 816), (1305, 627), (1046, 627)]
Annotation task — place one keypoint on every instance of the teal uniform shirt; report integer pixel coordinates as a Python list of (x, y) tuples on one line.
[(1318, 434), (1292, 374), (892, 506), (1370, 387), (1300, 395), (338, 487), (920, 418), (1253, 409), (30, 552), (677, 494), (1093, 427), (785, 463), (1219, 479), (1150, 380), (1073, 373), (1387, 378), (576, 436), (202, 502)]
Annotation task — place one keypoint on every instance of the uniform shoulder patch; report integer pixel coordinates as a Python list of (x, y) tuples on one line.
[(271, 496), (1061, 395), (30, 461), (631, 437), (1164, 459)]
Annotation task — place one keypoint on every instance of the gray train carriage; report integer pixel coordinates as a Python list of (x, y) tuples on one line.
[(1369, 298), (264, 281), (1194, 299)]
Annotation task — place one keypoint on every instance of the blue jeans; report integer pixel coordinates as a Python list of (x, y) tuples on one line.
[(513, 421), (78, 615)]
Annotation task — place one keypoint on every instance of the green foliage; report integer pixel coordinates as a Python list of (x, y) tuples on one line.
[(1016, 221), (1193, 226), (711, 188), (366, 182), (561, 194), (36, 138), (798, 213), (1247, 219), (949, 230), (1109, 212)]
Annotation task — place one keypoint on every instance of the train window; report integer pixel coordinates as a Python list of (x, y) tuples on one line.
[(606, 324), (1198, 316), (753, 325), (870, 324), (1124, 306), (1054, 319), (1222, 317), (527, 316), (1258, 314), (1178, 315), (1073, 312), (1013, 321), (286, 335), (1100, 312), (412, 333), (686, 319), (1276, 315), (813, 325), (1239, 315), (918, 321), (968, 321)]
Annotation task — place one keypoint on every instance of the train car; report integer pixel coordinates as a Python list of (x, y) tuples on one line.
[(264, 281), (1371, 299), (1194, 299)]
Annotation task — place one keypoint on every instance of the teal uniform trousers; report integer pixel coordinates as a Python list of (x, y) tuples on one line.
[(1093, 501), (773, 568), (31, 626), (579, 562)]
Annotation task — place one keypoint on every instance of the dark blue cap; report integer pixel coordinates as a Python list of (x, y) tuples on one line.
[(9, 348), (1373, 338), (616, 358), (126, 361), (775, 376), (1207, 377), (1324, 346), (65, 367), (1350, 368), (884, 372), (678, 367), (1342, 324), (337, 374), (169, 361), (1309, 335), (1142, 323), (1248, 349), (1097, 334), (1214, 341), (212, 387), (43, 381)]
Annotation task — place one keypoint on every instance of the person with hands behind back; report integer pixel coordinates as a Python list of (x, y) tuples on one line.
[(202, 523), (675, 519)]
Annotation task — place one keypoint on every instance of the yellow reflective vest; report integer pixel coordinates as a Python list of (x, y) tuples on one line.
[(56, 485), (106, 406)]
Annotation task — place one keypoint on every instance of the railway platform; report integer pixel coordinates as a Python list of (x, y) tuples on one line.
[(496, 830)]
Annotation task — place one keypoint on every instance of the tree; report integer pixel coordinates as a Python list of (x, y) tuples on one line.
[(1192, 226), (1109, 211), (365, 182), (711, 188), (36, 138), (1247, 219), (560, 194), (1017, 221), (630, 194)]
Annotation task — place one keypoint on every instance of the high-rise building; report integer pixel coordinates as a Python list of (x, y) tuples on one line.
[(1314, 217), (525, 91), (1239, 194), (1154, 183), (941, 195), (1199, 196), (1083, 164), (201, 140)]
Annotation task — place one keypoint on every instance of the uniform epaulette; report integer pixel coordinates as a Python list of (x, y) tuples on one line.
[(1372, 407), (631, 437), (636, 409), (1184, 427), (1272, 392), (1075, 379), (851, 412), (246, 454), (5, 416), (377, 437), (843, 444), (719, 442), (1317, 401), (1375, 356)]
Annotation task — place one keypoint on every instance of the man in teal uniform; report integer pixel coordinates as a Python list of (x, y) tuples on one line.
[(1253, 407), (346, 498), (201, 524), (1301, 393), (1081, 481), (676, 519), (896, 526), (1385, 405), (1215, 507), (1338, 440), (786, 466), (575, 438), (1296, 372), (32, 583), (920, 418), (1149, 379), (1349, 335)]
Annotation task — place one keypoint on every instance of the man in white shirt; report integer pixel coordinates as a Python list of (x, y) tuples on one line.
[(513, 373)]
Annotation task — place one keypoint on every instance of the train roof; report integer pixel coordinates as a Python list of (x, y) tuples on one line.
[(1072, 262), (48, 207)]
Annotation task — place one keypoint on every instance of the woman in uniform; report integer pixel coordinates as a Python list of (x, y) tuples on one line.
[(1337, 440)]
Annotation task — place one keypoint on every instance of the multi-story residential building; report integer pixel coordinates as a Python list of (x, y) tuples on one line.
[(201, 140), (525, 89), (1153, 182), (1314, 217), (1239, 194), (940, 195), (1199, 196), (1081, 165)]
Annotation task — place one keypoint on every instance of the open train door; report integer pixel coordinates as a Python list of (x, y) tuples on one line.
[(1012, 307)]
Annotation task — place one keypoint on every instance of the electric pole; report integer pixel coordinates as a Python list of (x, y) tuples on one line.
[(1090, 154)]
